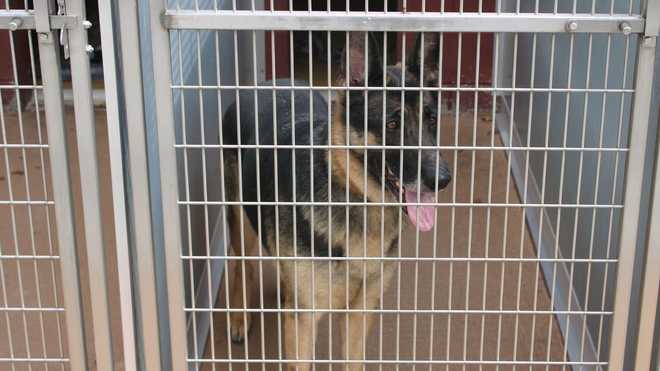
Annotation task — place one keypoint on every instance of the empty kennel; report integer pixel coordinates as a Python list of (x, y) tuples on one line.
[(537, 259)]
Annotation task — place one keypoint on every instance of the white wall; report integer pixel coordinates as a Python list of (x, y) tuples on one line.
[(206, 58), (580, 122)]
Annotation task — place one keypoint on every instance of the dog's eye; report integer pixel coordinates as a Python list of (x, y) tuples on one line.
[(392, 124)]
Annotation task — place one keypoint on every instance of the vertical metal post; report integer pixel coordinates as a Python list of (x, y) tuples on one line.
[(169, 184), (89, 186), (651, 275), (59, 172), (634, 176), (651, 278), (138, 198), (111, 77)]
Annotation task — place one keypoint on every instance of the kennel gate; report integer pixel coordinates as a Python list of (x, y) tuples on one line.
[(198, 48), (42, 310)]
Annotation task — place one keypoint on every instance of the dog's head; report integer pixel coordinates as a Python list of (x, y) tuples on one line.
[(404, 119)]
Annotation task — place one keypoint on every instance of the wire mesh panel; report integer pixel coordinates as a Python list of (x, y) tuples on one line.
[(467, 6), (400, 184), (37, 243), (31, 298)]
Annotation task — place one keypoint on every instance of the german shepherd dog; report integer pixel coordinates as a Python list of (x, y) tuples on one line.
[(312, 203)]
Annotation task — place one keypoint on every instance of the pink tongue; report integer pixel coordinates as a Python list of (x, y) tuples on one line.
[(422, 217)]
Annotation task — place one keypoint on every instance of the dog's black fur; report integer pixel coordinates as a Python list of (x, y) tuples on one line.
[(311, 126)]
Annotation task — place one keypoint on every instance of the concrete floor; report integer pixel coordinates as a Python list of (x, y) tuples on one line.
[(457, 285)]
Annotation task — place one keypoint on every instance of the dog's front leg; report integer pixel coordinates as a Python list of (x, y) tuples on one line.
[(354, 344), (359, 323), (299, 339)]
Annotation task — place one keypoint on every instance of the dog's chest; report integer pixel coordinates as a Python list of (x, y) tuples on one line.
[(371, 231)]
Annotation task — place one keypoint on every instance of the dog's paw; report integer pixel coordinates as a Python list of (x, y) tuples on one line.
[(239, 328)]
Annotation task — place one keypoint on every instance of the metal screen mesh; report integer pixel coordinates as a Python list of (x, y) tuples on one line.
[(518, 269), (30, 294), (468, 6)]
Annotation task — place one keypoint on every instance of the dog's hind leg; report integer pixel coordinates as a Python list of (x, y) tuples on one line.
[(243, 275)]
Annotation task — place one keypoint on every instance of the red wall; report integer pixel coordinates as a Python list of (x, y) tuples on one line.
[(451, 59), (468, 57), (22, 53), (281, 43)]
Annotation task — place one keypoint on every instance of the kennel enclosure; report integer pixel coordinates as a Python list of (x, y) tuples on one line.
[(544, 112)]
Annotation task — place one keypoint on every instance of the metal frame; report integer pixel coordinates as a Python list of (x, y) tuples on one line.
[(135, 182), (112, 78), (132, 154), (650, 288), (650, 281), (131, 184), (26, 20), (59, 171), (43, 23), (396, 21), (399, 22), (168, 185), (90, 189), (641, 109)]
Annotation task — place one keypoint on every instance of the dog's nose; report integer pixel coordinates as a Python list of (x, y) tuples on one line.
[(444, 178), (440, 174)]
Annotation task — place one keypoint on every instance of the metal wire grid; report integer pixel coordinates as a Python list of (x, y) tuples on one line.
[(199, 203), (575, 7), (30, 297)]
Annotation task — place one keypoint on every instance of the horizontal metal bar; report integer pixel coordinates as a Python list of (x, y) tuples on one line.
[(25, 20), (378, 204), (399, 361), (20, 86), (33, 360), (22, 146), (391, 147), (484, 89), (33, 202), (395, 258), (401, 311), (29, 257), (30, 309), (395, 21)]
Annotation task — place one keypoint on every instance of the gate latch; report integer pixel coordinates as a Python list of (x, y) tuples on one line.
[(64, 34)]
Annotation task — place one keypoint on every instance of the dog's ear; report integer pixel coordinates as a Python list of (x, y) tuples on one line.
[(426, 47), (362, 47)]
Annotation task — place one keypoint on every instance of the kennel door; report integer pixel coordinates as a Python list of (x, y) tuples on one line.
[(39, 270), (578, 69)]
